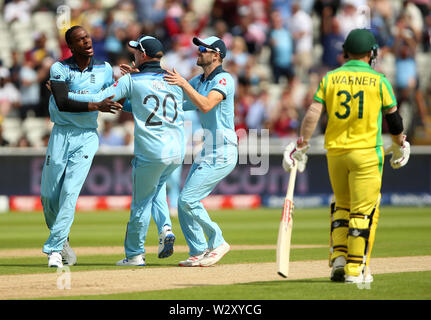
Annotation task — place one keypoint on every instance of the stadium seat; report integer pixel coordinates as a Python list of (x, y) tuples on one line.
[(35, 128), (12, 130)]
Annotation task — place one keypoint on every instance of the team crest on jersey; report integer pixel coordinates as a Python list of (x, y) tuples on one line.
[(222, 81), (93, 78), (116, 83)]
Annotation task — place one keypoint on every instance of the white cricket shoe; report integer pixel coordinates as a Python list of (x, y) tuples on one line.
[(54, 260), (166, 242), (362, 278), (68, 255), (214, 256), (138, 260), (337, 273), (193, 261)]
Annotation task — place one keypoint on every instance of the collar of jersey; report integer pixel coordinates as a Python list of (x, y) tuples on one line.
[(215, 72), (151, 66), (357, 63), (72, 63)]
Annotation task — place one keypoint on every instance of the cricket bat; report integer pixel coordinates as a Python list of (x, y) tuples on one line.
[(285, 229)]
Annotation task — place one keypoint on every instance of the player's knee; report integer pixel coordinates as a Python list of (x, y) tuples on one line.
[(359, 226), (185, 204)]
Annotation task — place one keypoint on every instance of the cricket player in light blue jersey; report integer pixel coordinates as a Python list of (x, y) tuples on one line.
[(73, 141), (159, 145), (212, 95)]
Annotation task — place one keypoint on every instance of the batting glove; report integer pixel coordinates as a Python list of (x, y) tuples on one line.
[(293, 153), (400, 154)]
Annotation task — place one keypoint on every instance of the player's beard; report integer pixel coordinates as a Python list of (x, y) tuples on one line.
[(202, 62)]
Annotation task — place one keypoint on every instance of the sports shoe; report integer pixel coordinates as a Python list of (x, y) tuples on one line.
[(337, 273), (138, 260), (362, 278), (214, 256), (68, 255), (193, 261), (54, 260), (166, 242)]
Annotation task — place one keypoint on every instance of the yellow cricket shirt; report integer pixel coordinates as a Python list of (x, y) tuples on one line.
[(354, 96)]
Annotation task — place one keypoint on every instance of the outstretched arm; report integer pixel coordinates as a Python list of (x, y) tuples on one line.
[(204, 103), (60, 91)]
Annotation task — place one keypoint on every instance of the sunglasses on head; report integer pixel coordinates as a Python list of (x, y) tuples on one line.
[(204, 49)]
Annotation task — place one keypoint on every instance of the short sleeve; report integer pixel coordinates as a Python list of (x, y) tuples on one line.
[(223, 83), (58, 72), (319, 96), (387, 94), (109, 75)]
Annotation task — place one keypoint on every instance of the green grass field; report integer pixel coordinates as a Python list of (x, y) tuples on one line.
[(401, 232)]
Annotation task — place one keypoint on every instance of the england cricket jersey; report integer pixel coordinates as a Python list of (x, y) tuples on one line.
[(218, 123), (354, 96), (95, 77), (157, 108)]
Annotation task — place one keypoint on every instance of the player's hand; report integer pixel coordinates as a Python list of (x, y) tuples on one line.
[(108, 105), (174, 78), (48, 85), (400, 154), (293, 153), (125, 68)]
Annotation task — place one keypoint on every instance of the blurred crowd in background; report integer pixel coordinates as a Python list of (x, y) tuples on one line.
[(278, 52)]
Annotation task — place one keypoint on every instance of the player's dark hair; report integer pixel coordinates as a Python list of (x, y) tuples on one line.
[(68, 34)]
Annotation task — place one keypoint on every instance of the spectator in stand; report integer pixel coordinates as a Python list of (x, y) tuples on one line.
[(29, 87), (252, 32), (257, 114), (332, 42), (281, 45), (382, 13), (174, 13), (221, 31), (325, 9), (150, 10), (285, 120), (15, 68), (19, 10), (9, 94), (282, 6), (407, 78), (238, 52), (32, 79), (349, 16), (108, 137), (39, 51), (179, 58), (414, 18), (115, 36), (301, 28), (3, 141), (99, 42), (226, 10)]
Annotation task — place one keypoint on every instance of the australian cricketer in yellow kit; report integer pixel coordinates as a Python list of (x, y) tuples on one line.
[(354, 96)]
